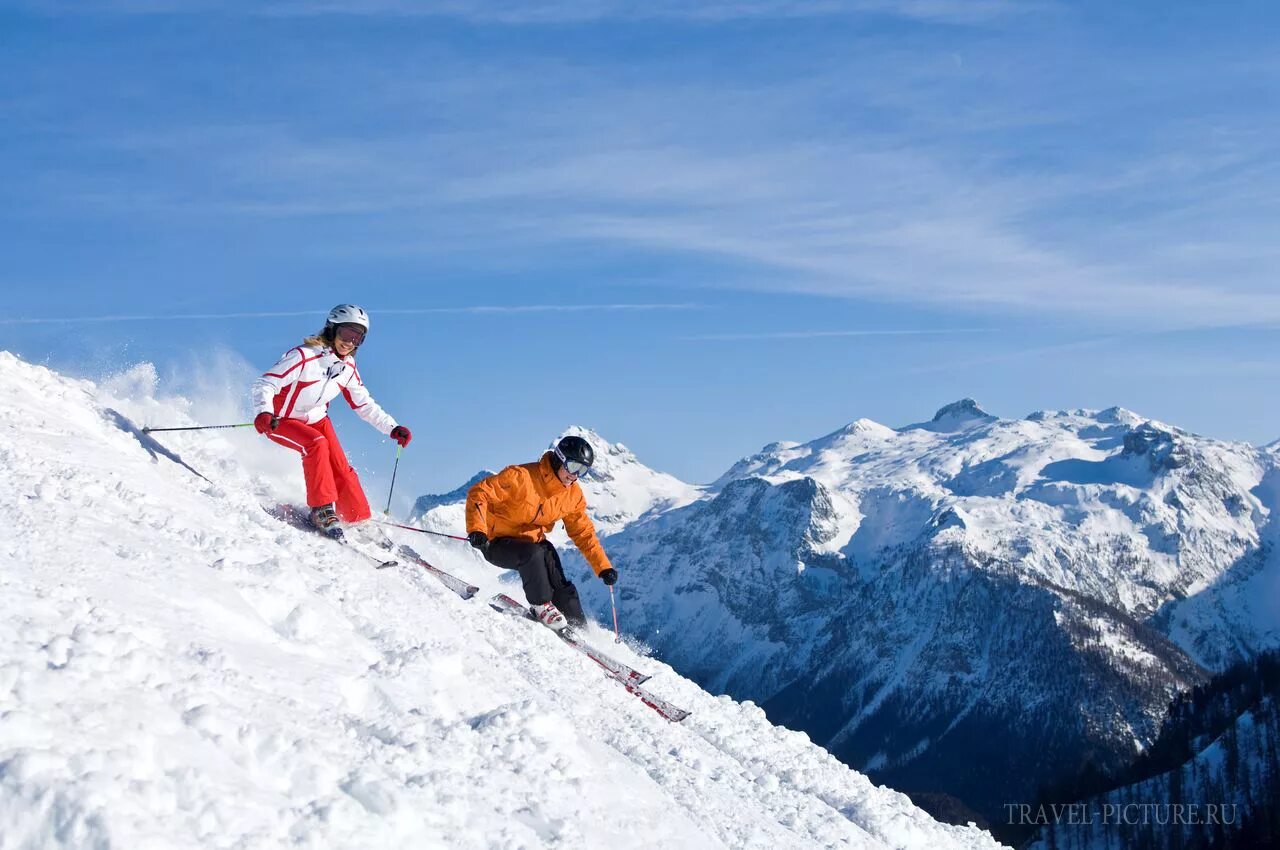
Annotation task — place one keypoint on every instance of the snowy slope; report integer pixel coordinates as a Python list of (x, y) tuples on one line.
[(901, 594), (177, 669)]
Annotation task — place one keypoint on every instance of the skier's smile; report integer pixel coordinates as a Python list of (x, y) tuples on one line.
[(346, 338)]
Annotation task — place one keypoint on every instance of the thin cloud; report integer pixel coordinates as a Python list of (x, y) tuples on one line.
[(1077, 345), (551, 12), (782, 335), (411, 311)]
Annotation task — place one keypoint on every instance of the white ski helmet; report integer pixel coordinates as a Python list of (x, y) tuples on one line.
[(348, 314)]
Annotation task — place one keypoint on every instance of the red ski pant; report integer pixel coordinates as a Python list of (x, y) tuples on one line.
[(330, 478)]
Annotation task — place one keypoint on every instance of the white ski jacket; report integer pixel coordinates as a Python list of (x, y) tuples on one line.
[(306, 379)]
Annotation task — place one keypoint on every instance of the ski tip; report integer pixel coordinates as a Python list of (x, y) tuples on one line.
[(665, 710), (385, 564)]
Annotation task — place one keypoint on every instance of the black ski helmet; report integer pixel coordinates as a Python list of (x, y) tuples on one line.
[(574, 452)]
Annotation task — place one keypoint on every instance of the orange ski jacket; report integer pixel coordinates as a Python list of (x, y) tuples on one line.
[(526, 501)]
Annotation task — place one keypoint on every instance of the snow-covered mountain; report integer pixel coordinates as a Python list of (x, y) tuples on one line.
[(446, 512), (178, 669), (621, 490), (425, 504), (971, 604)]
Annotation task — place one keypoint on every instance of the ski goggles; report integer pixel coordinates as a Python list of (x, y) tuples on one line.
[(575, 467), (353, 334)]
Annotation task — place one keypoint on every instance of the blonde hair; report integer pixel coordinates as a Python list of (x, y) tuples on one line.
[(320, 339)]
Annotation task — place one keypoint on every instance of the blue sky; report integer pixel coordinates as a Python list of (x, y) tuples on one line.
[(702, 227)]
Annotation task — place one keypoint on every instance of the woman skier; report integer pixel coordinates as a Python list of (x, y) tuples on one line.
[(509, 515), (292, 400)]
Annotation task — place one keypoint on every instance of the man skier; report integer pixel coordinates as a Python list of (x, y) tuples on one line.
[(509, 515), (292, 400)]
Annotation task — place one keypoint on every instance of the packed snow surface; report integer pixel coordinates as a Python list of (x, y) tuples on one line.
[(178, 669)]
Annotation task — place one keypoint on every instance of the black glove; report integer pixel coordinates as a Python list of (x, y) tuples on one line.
[(479, 540), (609, 576)]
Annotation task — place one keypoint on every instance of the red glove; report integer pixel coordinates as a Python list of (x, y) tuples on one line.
[(265, 423), (401, 435)]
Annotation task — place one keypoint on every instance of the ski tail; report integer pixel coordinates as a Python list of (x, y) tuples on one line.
[(457, 585), (507, 605), (383, 540)]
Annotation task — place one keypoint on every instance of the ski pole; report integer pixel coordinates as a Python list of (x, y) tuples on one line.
[(617, 636), (421, 530), (394, 470), (199, 427)]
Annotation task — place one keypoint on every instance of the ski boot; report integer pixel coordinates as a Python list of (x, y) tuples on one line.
[(550, 616), (325, 520)]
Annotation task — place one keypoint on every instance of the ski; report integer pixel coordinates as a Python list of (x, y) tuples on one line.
[(657, 703), (614, 668), (457, 585), (292, 516)]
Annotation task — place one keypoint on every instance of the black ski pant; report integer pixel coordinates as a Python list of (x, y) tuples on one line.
[(541, 572)]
